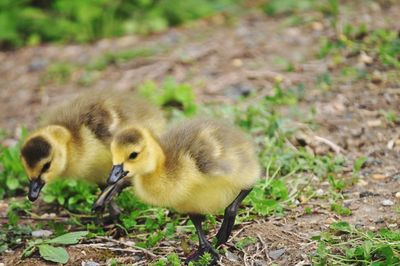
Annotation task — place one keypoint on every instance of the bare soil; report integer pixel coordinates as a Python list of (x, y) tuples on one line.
[(221, 59)]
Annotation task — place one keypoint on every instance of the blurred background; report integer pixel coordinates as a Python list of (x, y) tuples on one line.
[(315, 82)]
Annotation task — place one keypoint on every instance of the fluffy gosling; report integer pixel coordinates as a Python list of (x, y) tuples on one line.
[(74, 137), (199, 167)]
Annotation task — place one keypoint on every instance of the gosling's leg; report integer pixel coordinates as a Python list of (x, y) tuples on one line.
[(229, 218), (204, 245)]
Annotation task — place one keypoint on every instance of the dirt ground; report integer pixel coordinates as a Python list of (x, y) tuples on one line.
[(220, 59)]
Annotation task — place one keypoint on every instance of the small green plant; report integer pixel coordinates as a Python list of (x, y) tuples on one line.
[(118, 57), (15, 208), (172, 95), (336, 183), (171, 260), (344, 244), (204, 260), (58, 72), (13, 236), (12, 174), (49, 250), (340, 209), (381, 45), (390, 116), (267, 196), (244, 242), (358, 164), (75, 195)]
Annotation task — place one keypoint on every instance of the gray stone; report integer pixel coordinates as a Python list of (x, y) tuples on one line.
[(41, 233), (387, 202), (275, 254), (90, 263)]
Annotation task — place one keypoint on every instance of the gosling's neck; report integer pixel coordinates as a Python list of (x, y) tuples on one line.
[(152, 184)]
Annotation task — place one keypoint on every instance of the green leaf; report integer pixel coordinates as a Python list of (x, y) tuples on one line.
[(358, 164), (12, 183), (28, 251), (68, 239), (55, 254), (342, 227)]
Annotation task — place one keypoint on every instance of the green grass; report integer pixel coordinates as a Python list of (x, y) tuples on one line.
[(344, 244), (381, 45)]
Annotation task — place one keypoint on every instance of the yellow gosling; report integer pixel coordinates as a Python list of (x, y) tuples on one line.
[(199, 167), (74, 137)]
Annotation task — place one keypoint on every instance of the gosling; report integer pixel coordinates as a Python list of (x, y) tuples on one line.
[(198, 167), (74, 137)]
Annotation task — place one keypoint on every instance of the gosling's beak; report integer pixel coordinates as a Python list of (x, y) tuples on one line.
[(35, 187), (117, 172)]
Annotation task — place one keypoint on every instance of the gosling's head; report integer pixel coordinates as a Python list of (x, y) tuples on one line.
[(44, 156), (134, 152)]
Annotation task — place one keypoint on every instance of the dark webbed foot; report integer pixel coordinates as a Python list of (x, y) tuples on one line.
[(229, 218), (204, 245)]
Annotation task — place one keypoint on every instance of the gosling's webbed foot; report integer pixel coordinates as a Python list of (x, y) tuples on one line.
[(200, 252)]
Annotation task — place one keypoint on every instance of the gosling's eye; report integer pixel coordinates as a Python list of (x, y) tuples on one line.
[(46, 167), (133, 155)]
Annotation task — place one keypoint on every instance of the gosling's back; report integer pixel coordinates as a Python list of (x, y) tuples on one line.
[(103, 113), (217, 149)]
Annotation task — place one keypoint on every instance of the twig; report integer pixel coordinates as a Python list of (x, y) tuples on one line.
[(333, 146), (265, 247), (130, 250), (128, 245)]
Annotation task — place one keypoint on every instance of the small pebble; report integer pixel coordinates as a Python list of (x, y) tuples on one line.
[(260, 263), (319, 192), (237, 62), (90, 263), (397, 195), (41, 233), (367, 194), (275, 254), (387, 202), (374, 123), (366, 59), (231, 256), (392, 225), (378, 176), (362, 183)]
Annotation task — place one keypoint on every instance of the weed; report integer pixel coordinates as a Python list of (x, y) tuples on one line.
[(382, 45), (12, 174), (340, 209), (15, 208), (75, 195), (49, 251), (171, 260), (171, 95), (345, 244), (244, 242), (13, 236), (118, 57), (390, 116), (58, 73)]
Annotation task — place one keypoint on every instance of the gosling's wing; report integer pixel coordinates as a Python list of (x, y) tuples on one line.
[(87, 109), (212, 145)]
